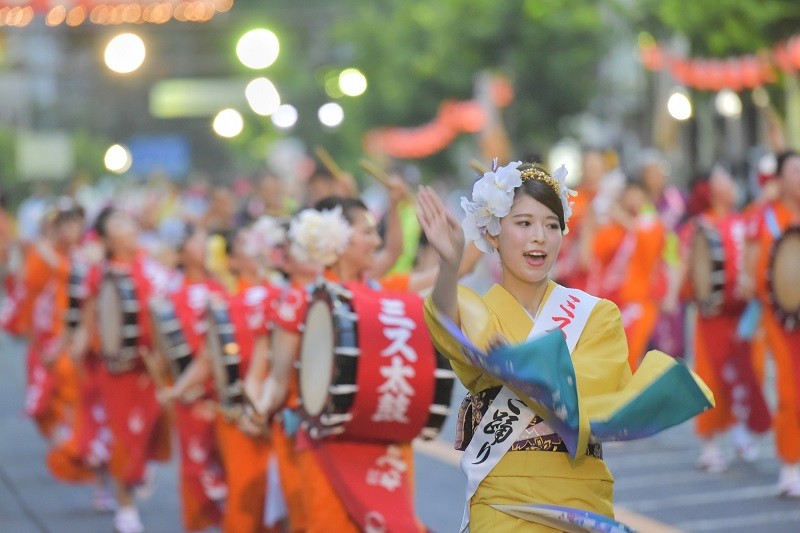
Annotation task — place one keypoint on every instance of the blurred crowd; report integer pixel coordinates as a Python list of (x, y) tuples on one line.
[(692, 268)]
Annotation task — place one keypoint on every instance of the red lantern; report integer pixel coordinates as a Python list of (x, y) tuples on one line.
[(733, 75), (681, 70), (751, 72), (716, 75), (698, 77)]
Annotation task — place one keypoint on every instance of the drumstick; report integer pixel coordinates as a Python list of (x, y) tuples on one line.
[(328, 162), (477, 166), (377, 172)]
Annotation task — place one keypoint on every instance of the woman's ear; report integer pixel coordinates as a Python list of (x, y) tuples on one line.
[(493, 240)]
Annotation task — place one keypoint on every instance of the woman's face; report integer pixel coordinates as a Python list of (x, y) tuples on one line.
[(723, 189), (364, 242), (284, 260), (529, 241), (790, 178), (69, 231), (244, 261), (193, 252), (122, 234)]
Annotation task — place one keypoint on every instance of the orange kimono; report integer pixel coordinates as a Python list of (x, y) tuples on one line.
[(52, 391), (782, 343), (200, 465), (629, 272), (245, 458), (569, 270)]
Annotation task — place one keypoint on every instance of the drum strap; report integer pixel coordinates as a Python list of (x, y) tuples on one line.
[(772, 223), (508, 416)]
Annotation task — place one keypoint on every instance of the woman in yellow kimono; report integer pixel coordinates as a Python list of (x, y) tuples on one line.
[(520, 212)]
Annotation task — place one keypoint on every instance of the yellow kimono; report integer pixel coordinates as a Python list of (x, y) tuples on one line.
[(600, 360)]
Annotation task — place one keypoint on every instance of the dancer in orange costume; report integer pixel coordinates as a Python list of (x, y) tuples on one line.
[(628, 253), (572, 268), (783, 343), (51, 393), (201, 477), (244, 450), (325, 508), (722, 356), (138, 424)]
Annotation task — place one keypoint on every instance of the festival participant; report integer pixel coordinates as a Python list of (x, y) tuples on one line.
[(341, 234), (244, 448), (271, 199), (722, 356), (58, 396), (139, 427), (52, 389), (323, 184), (628, 251), (520, 211), (85, 455), (571, 270), (782, 338), (670, 204), (202, 483)]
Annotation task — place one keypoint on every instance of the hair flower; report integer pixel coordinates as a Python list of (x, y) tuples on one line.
[(492, 197), (268, 231), (320, 237), (564, 192)]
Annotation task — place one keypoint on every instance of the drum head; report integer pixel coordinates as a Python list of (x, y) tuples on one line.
[(316, 358), (785, 268), (701, 268), (109, 302)]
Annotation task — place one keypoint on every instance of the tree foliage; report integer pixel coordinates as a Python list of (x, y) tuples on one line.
[(723, 26)]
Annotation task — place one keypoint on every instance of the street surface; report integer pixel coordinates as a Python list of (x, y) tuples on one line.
[(657, 488)]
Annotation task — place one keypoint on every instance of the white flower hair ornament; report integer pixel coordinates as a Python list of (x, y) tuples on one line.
[(269, 232), (320, 237), (493, 196)]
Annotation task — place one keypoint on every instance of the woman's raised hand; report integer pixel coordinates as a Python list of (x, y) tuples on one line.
[(442, 229)]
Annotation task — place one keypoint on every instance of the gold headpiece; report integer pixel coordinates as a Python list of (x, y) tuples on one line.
[(535, 172)]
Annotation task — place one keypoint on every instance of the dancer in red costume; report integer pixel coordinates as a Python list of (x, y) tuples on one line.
[(722, 357)]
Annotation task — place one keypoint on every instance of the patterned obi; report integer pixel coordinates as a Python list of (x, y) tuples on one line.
[(538, 436)]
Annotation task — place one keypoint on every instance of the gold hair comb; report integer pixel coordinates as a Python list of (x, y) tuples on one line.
[(535, 172)]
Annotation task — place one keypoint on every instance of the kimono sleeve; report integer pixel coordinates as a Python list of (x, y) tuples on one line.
[(476, 322)]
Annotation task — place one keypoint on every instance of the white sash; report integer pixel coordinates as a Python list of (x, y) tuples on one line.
[(566, 308)]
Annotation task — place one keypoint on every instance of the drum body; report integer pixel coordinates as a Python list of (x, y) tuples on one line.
[(77, 292), (169, 337), (118, 321), (784, 289), (368, 368), (225, 357), (707, 270)]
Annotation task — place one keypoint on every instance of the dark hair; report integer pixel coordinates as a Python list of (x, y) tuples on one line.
[(783, 158), (101, 221), (189, 231), (349, 206), (66, 209), (542, 193)]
